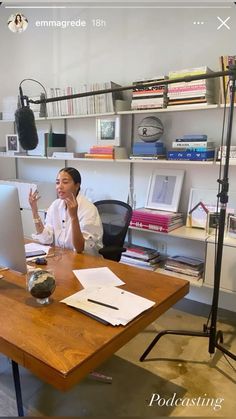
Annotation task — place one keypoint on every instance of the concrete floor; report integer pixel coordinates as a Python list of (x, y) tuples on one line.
[(178, 367)]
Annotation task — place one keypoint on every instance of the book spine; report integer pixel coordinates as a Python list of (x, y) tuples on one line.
[(98, 156), (160, 157), (195, 137), (148, 226), (191, 155), (184, 144)]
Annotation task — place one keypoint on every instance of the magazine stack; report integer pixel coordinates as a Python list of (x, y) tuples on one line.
[(185, 265), (141, 257), (162, 221)]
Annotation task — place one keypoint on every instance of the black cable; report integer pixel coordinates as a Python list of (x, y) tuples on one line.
[(43, 97), (36, 81)]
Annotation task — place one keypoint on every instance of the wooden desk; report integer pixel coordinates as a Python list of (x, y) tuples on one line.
[(58, 343)]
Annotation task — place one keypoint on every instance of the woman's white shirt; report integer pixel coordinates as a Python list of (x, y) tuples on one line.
[(58, 230), (19, 27)]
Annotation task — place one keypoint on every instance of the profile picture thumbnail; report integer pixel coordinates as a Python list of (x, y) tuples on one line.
[(17, 23)]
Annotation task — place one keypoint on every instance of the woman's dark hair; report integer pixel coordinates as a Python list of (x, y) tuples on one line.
[(75, 174), (18, 14)]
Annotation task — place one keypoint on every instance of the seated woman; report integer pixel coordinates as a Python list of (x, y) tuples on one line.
[(72, 221)]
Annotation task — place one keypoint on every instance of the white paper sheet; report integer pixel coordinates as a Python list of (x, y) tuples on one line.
[(124, 305), (97, 277)]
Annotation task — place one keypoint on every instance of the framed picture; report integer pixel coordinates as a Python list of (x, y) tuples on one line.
[(164, 190), (12, 143), (108, 130)]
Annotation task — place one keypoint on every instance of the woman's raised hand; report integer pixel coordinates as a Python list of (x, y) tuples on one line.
[(33, 199), (72, 206)]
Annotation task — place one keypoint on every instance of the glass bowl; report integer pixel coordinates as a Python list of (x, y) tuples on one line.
[(41, 284)]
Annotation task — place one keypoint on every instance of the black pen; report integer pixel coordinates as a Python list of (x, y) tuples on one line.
[(102, 304)]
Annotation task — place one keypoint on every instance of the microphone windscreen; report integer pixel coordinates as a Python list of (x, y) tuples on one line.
[(26, 128)]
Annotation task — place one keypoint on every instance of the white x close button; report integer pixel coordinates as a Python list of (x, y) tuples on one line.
[(223, 23)]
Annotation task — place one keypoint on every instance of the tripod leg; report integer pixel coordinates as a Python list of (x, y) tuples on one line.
[(219, 338), (16, 377), (171, 332)]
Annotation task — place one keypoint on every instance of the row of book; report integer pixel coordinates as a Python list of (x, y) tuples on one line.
[(97, 104), (162, 221), (196, 92)]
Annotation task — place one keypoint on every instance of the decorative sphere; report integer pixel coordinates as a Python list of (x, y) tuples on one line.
[(150, 129), (41, 284)]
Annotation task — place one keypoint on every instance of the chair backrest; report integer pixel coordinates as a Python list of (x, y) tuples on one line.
[(115, 216)]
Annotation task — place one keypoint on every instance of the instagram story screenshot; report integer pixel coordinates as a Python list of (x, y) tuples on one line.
[(130, 95)]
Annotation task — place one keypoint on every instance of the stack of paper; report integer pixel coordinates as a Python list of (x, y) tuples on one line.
[(97, 277), (102, 300)]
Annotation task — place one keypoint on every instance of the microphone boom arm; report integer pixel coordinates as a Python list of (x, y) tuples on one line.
[(186, 79)]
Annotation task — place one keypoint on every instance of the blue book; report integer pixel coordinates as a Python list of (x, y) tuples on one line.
[(191, 155), (194, 137), (148, 145), (148, 149)]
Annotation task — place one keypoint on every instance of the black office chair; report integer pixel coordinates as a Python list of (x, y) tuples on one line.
[(115, 216)]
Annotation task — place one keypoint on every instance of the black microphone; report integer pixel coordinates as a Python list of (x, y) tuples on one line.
[(26, 128), (25, 125)]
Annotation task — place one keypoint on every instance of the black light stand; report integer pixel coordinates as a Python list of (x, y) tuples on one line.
[(215, 336), (210, 332)]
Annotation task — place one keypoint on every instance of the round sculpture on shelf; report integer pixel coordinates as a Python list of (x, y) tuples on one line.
[(150, 129), (41, 284)]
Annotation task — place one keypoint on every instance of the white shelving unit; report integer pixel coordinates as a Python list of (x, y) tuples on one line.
[(183, 232), (195, 241)]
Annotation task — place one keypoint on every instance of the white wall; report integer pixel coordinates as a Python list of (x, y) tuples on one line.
[(133, 44)]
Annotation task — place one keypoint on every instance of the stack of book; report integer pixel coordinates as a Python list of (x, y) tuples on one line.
[(152, 151), (225, 91), (141, 257), (197, 92), (185, 265), (106, 152), (152, 97), (162, 221), (192, 147), (100, 152)]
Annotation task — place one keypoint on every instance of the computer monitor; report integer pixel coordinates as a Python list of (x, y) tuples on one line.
[(12, 250)]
